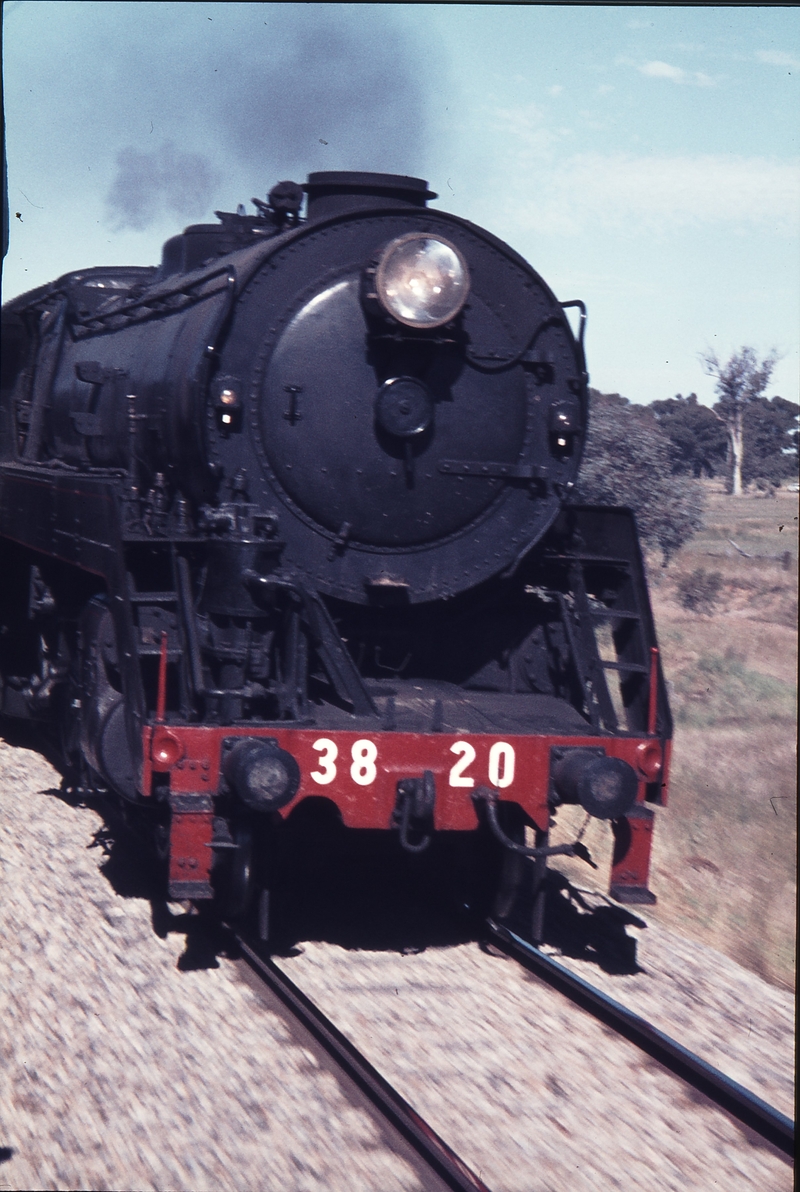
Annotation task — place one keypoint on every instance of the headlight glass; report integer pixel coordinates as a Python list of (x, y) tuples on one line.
[(422, 281)]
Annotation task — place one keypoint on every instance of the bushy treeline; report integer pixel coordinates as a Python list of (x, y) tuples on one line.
[(652, 458), (701, 447), (628, 460)]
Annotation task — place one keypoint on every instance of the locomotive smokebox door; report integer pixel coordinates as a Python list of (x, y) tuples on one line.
[(346, 460), (418, 400)]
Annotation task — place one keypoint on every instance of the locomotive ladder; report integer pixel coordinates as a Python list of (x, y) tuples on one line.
[(166, 602), (580, 618)]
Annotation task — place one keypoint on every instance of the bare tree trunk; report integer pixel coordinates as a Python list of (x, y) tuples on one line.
[(736, 434), (739, 382)]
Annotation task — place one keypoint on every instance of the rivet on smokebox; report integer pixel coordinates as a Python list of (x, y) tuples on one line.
[(166, 749), (648, 760)]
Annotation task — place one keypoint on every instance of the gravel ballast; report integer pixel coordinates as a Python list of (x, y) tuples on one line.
[(531, 1091), (120, 1071)]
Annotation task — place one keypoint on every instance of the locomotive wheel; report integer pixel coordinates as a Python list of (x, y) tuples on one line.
[(68, 720), (67, 741), (481, 876), (520, 892), (237, 880), (161, 841), (510, 884), (506, 877)]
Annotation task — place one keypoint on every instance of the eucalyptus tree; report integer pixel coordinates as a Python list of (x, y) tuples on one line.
[(741, 380)]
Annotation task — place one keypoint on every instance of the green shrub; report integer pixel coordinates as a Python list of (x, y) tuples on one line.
[(699, 590), (628, 461), (720, 689)]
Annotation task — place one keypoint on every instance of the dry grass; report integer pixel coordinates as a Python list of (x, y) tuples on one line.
[(724, 856), (759, 589)]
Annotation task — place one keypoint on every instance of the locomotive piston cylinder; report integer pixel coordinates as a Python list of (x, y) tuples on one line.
[(232, 565)]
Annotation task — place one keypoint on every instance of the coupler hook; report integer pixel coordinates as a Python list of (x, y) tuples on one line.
[(416, 798), (489, 798)]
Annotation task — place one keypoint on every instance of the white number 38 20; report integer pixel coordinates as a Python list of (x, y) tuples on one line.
[(364, 755)]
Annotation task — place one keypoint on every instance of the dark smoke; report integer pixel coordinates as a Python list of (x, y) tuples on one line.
[(147, 184), (270, 91), (334, 83)]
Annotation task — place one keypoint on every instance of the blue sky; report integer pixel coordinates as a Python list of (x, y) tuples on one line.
[(643, 159)]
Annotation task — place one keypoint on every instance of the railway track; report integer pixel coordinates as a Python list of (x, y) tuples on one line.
[(772, 1125), (438, 1157), (464, 1104), (766, 1121)]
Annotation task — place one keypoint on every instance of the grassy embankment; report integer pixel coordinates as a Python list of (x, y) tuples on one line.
[(724, 855)]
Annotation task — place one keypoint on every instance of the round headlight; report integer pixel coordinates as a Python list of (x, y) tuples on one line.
[(422, 281), (264, 776), (606, 787)]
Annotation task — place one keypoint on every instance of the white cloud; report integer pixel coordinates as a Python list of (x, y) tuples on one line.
[(778, 58), (525, 126), (661, 194), (556, 89), (675, 74), (663, 70)]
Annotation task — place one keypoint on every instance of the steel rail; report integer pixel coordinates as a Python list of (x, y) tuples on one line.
[(765, 1120), (426, 1142)]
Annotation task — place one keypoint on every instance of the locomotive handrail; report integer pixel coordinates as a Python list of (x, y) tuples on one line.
[(511, 361), (160, 299), (341, 668), (548, 321), (582, 325)]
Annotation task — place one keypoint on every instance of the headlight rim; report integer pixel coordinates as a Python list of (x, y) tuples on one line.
[(378, 281)]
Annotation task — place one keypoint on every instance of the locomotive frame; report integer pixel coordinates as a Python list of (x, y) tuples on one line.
[(218, 641)]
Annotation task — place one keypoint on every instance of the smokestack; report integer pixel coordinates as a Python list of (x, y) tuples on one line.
[(333, 192)]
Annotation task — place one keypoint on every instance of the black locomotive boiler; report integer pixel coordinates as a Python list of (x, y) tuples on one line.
[(290, 517)]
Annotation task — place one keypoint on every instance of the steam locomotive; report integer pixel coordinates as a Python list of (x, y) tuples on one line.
[(292, 517)]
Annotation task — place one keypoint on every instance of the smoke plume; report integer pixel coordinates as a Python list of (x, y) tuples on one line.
[(258, 91), (147, 184)]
